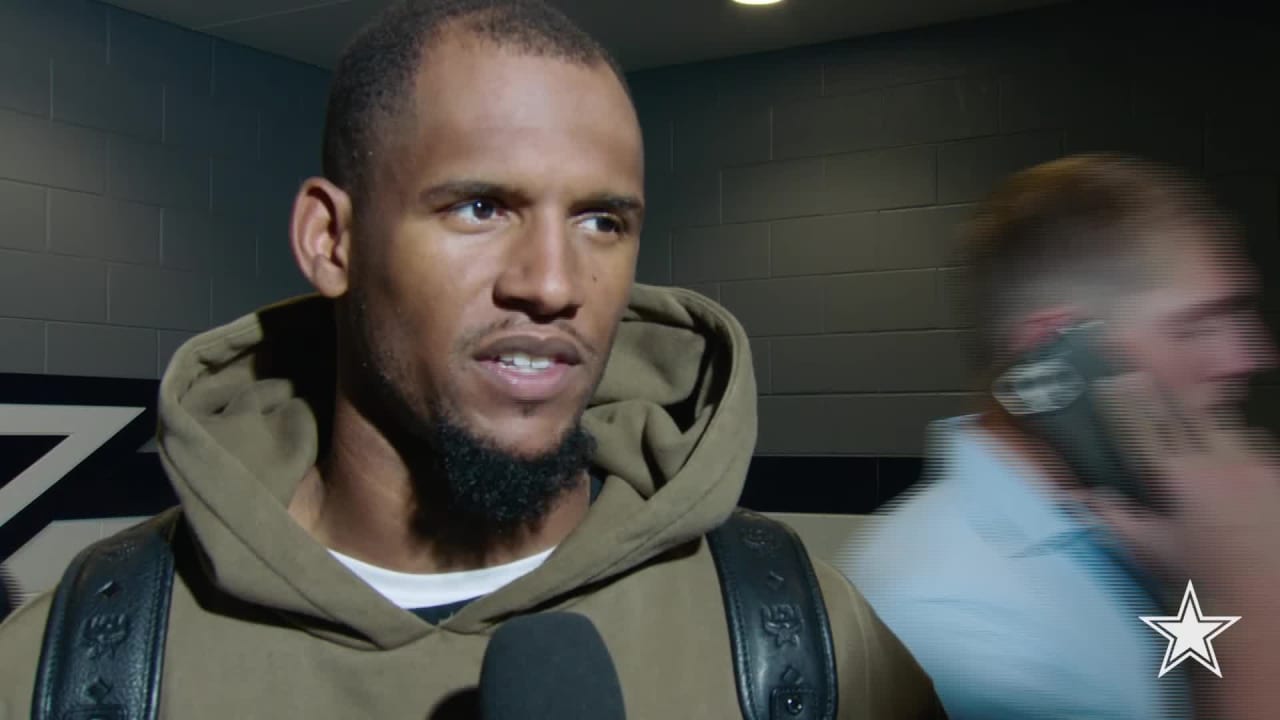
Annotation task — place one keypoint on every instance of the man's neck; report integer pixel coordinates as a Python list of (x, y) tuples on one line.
[(1046, 467), (360, 500)]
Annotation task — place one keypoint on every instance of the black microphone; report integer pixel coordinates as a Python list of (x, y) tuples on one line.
[(550, 665)]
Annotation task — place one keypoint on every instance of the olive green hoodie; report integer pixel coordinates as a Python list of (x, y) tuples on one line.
[(265, 623)]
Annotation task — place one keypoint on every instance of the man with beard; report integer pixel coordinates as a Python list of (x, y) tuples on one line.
[(509, 427)]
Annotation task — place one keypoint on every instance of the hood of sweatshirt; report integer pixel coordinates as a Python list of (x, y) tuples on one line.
[(242, 411)]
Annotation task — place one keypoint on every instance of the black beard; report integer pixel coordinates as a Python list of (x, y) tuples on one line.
[(495, 489), (469, 490)]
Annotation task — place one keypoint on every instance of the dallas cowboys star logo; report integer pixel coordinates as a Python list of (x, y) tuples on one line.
[(1190, 634), (73, 466)]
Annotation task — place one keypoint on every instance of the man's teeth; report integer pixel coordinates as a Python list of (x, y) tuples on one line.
[(521, 361)]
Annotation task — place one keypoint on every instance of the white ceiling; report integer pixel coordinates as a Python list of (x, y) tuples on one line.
[(641, 33)]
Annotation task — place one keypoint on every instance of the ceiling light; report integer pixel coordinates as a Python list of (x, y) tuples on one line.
[(757, 2)]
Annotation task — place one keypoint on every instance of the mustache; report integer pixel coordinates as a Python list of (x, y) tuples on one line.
[(472, 338)]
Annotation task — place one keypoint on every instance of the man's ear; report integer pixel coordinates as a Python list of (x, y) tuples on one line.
[(320, 233), (1036, 328)]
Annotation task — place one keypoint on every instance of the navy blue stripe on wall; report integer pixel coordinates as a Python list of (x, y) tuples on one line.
[(114, 480), (832, 484), (18, 452), (117, 480)]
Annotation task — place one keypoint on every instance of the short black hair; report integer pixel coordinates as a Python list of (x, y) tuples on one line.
[(374, 79)]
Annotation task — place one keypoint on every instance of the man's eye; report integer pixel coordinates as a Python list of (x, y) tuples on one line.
[(477, 210), (605, 224), (1196, 329)]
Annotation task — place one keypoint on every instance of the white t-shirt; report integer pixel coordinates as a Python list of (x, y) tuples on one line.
[(413, 590)]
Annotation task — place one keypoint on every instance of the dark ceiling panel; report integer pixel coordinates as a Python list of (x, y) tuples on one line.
[(642, 34)]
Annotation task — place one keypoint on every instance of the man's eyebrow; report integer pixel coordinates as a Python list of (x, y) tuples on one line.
[(452, 190), (613, 202), (1242, 300), (462, 189)]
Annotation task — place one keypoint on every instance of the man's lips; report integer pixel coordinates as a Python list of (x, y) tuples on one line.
[(528, 386), (529, 368), (556, 348)]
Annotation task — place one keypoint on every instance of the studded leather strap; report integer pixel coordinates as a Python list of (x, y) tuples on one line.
[(103, 649), (780, 636)]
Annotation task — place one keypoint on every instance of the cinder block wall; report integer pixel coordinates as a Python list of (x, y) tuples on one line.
[(816, 192), (146, 174)]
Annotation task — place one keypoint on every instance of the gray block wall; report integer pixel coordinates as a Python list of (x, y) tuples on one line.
[(146, 176), (816, 192)]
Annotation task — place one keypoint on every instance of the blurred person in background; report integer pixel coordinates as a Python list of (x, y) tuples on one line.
[(1016, 583)]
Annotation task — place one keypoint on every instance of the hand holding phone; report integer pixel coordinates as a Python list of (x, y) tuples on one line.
[(1051, 393)]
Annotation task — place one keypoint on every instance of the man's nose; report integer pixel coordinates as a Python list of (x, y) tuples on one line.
[(541, 274)]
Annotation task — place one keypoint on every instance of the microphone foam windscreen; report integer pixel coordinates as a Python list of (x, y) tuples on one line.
[(549, 665)]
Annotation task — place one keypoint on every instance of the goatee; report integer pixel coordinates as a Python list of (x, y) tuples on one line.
[(497, 489)]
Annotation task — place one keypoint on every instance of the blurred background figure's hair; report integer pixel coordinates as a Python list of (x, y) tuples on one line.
[(1082, 230)]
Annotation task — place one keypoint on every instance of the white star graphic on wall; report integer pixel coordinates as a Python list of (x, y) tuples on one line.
[(1190, 634), (85, 429)]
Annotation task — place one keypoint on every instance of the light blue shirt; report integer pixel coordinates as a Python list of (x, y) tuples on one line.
[(1008, 597)]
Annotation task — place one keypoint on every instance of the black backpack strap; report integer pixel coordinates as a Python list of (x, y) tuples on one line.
[(783, 656), (104, 640)]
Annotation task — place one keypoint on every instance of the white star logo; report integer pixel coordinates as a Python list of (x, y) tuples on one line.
[(1190, 634), (86, 427)]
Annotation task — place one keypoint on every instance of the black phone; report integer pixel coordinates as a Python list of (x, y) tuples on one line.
[(1048, 392)]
